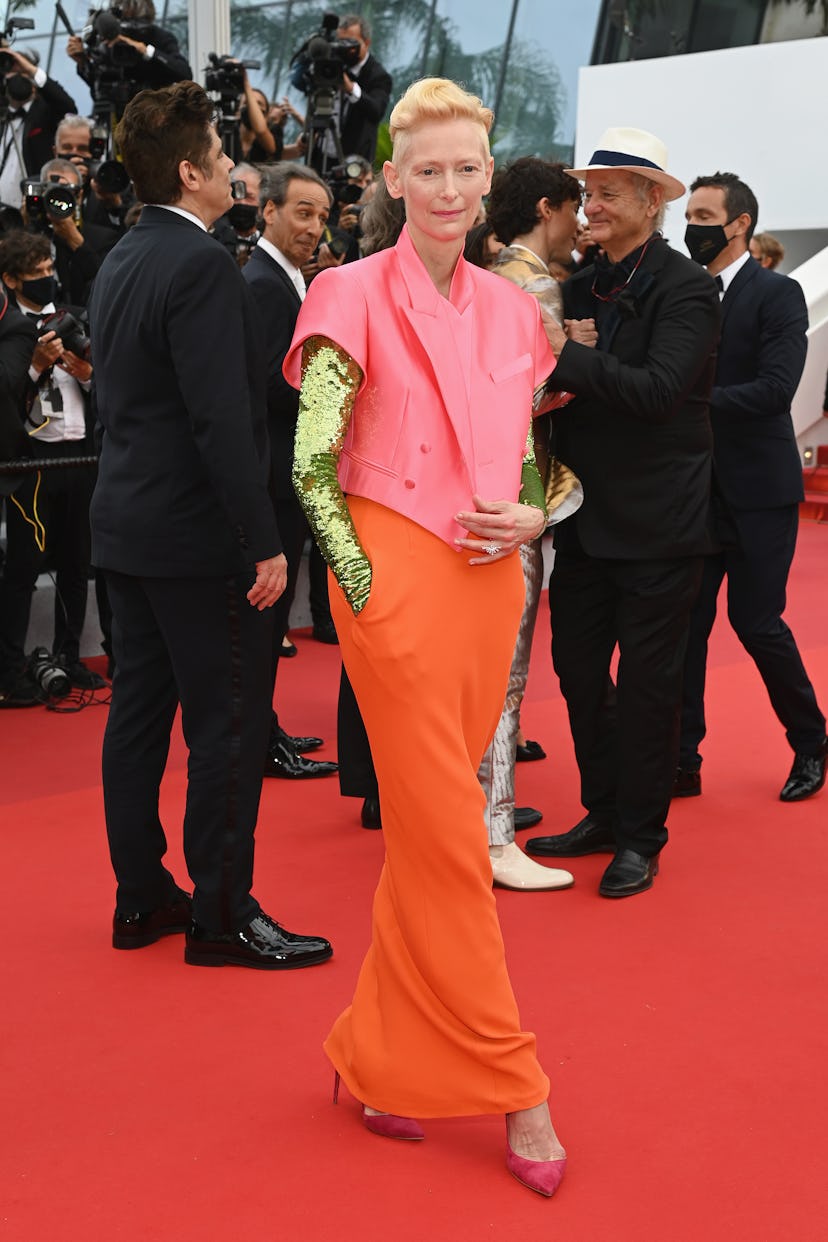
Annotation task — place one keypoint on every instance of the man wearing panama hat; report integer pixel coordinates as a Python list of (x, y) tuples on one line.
[(629, 561)]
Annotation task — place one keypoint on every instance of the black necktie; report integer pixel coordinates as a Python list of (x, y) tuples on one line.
[(719, 283), (17, 114)]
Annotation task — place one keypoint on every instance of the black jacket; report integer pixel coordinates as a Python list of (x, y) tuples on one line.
[(761, 357), (638, 433), (18, 336), (46, 111), (179, 381), (359, 127)]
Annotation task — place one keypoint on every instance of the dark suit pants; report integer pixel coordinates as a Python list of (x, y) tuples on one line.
[(756, 561), (626, 739), (357, 777), (196, 641), (61, 502), (293, 531)]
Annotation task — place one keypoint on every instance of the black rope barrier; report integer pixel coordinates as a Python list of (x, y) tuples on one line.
[(28, 465)]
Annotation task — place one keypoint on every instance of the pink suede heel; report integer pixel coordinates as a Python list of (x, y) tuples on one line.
[(385, 1124), (544, 1176)]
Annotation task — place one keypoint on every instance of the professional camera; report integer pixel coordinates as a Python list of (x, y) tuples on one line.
[(319, 63), (69, 330), (14, 24), (51, 678), (341, 181), (113, 68), (225, 75), (47, 201)]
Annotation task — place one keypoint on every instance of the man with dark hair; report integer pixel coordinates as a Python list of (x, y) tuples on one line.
[(757, 477), (628, 563), (184, 528), (294, 203)]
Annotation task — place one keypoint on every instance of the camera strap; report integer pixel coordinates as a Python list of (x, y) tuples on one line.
[(10, 133)]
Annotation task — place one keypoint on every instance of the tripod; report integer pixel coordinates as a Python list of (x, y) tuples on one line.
[(321, 120)]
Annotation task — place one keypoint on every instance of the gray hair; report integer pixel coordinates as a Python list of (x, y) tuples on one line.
[(276, 179), (73, 121), (61, 167), (356, 19), (643, 187)]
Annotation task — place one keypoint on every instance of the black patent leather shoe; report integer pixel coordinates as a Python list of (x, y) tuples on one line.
[(806, 777), (628, 873), (262, 945), (687, 783), (529, 752), (299, 744), (371, 817), (283, 761), (325, 632), (589, 836), (136, 931), (526, 817)]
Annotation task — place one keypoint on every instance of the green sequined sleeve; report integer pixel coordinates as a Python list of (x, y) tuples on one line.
[(531, 484), (330, 380)]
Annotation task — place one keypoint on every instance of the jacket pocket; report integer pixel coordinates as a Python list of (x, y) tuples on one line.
[(510, 369)]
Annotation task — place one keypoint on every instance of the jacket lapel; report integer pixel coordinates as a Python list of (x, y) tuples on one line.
[(739, 282), (440, 346), (260, 255)]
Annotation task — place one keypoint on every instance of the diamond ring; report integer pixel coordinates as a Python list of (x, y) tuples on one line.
[(492, 549)]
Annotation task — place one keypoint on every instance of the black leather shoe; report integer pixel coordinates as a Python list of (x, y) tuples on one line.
[(282, 760), (526, 817), (627, 874), (589, 836), (529, 752), (371, 817), (299, 744), (325, 632), (81, 677), (262, 945), (687, 783), (806, 777), (136, 931), (287, 651)]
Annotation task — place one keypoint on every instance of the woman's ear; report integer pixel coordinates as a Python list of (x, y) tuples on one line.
[(392, 179)]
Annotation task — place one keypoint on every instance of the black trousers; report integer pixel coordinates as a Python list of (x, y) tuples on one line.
[(756, 559), (293, 531), (626, 737), (60, 500), (196, 642), (357, 777)]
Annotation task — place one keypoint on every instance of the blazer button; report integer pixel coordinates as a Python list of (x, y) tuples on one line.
[(409, 483), (425, 448)]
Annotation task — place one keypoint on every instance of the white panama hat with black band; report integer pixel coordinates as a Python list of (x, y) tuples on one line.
[(634, 151)]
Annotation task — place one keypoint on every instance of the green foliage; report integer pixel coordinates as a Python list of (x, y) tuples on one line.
[(532, 103)]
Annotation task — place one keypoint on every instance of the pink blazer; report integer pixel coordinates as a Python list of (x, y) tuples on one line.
[(446, 402)]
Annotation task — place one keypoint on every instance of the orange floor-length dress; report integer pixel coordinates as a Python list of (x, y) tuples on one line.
[(433, 1029)]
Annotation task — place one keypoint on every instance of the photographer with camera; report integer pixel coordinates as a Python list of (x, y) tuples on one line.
[(35, 104), (106, 190), (51, 513), (123, 48), (53, 206), (364, 94), (238, 229)]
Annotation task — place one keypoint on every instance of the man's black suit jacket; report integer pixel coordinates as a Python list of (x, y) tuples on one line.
[(361, 120), (279, 304), (761, 356), (46, 111), (638, 432), (176, 347)]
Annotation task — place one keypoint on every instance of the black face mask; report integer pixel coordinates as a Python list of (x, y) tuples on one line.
[(40, 292), (705, 241), (243, 217), (19, 89)]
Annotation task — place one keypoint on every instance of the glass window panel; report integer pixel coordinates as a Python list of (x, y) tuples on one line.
[(726, 23)]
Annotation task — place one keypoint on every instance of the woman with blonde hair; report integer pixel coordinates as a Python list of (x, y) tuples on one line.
[(415, 465)]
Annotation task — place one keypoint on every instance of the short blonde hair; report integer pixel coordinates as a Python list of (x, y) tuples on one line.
[(436, 99)]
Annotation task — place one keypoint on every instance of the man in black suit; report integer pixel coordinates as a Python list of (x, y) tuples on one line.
[(628, 563), (36, 105), (148, 54), (757, 481), (366, 89), (183, 526), (363, 99), (295, 204)]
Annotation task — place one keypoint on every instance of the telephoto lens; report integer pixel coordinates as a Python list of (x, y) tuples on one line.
[(51, 678)]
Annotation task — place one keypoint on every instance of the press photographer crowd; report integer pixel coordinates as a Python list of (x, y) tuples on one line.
[(66, 199)]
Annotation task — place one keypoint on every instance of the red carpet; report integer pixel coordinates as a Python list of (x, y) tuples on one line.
[(684, 1030)]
